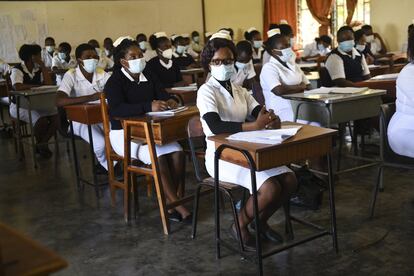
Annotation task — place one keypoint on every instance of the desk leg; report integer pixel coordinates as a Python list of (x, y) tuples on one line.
[(32, 138), (256, 222), (332, 202), (75, 156), (127, 176), (95, 180), (19, 132)]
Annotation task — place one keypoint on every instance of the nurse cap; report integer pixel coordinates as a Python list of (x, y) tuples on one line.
[(284, 22), (160, 34), (221, 35), (251, 29), (224, 32), (273, 32), (185, 35), (173, 37), (207, 34), (122, 38)]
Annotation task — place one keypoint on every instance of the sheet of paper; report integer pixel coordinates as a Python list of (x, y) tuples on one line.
[(337, 90), (386, 77), (267, 136), (320, 90), (170, 112), (185, 88)]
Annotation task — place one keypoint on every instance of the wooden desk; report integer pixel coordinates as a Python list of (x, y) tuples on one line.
[(193, 72), (388, 85), (20, 255), (155, 130), (88, 114), (309, 142), (187, 97)]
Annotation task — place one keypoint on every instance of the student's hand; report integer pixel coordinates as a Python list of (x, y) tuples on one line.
[(263, 118), (172, 104), (275, 123), (302, 86), (159, 106)]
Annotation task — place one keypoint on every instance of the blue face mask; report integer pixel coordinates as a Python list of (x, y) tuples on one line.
[(346, 46)]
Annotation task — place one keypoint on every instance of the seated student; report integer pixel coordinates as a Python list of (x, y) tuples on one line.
[(321, 47), (82, 85), (62, 61), (145, 48), (255, 38), (195, 47), (375, 41), (131, 91), (245, 73), (345, 64), (224, 108), (281, 75), (30, 73), (361, 46), (401, 127), (162, 66), (108, 48), (104, 62), (49, 51), (180, 56), (266, 56)]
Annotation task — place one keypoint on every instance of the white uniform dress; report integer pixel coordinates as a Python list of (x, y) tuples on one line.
[(259, 54), (150, 54), (401, 126), (74, 84), (274, 74), (47, 58), (312, 50), (213, 97), (17, 77), (62, 64), (376, 46), (266, 57), (245, 74)]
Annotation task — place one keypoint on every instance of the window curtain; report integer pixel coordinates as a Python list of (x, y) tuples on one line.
[(320, 10), (276, 10), (350, 7)]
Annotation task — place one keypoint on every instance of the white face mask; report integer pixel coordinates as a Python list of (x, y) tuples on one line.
[(90, 65), (62, 56), (370, 38), (240, 65), (136, 66), (167, 53), (143, 45), (180, 49), (257, 44), (321, 48), (360, 47), (196, 39), (222, 72), (287, 55), (50, 49)]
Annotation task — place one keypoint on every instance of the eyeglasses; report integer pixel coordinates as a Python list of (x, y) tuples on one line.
[(218, 62)]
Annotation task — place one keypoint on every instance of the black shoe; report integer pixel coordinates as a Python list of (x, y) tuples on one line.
[(99, 169), (175, 216), (269, 234), (249, 245)]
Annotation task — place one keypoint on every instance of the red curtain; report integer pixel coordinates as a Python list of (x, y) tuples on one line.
[(350, 7), (276, 10), (320, 10)]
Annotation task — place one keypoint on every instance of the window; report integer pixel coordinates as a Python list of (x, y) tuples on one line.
[(308, 27), (361, 14)]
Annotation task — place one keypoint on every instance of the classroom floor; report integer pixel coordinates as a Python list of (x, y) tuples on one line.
[(93, 238)]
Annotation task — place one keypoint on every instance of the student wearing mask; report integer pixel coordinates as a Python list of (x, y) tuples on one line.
[(30, 73), (132, 91), (245, 74), (401, 128), (104, 62), (224, 108), (255, 38), (162, 66), (145, 47), (281, 75), (345, 64), (266, 56), (375, 41), (196, 47), (49, 51), (362, 47), (108, 48), (180, 56), (321, 47), (81, 85), (62, 61)]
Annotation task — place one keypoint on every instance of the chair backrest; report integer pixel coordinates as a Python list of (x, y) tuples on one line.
[(258, 93), (324, 77), (197, 143)]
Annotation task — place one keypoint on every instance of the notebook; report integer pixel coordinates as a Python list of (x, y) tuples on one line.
[(170, 112), (337, 90), (185, 88), (266, 136)]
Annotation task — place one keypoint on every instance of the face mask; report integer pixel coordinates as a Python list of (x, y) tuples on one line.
[(257, 44), (62, 56), (287, 55), (321, 48), (196, 39), (370, 38), (50, 49), (167, 53), (360, 47), (222, 72), (346, 46), (292, 42), (90, 65), (136, 66), (240, 65), (143, 45), (180, 49)]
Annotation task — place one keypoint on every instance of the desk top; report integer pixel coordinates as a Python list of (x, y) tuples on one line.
[(23, 256), (170, 90), (191, 111), (192, 71), (307, 65), (87, 113), (334, 98), (36, 91)]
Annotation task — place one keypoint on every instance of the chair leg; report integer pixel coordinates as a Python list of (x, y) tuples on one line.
[(236, 219), (376, 189), (288, 221), (340, 146), (135, 194), (195, 211)]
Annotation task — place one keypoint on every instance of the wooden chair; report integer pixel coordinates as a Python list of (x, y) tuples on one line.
[(112, 157)]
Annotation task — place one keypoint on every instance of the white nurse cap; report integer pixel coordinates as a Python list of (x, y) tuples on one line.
[(221, 35), (160, 34), (122, 38), (273, 32)]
